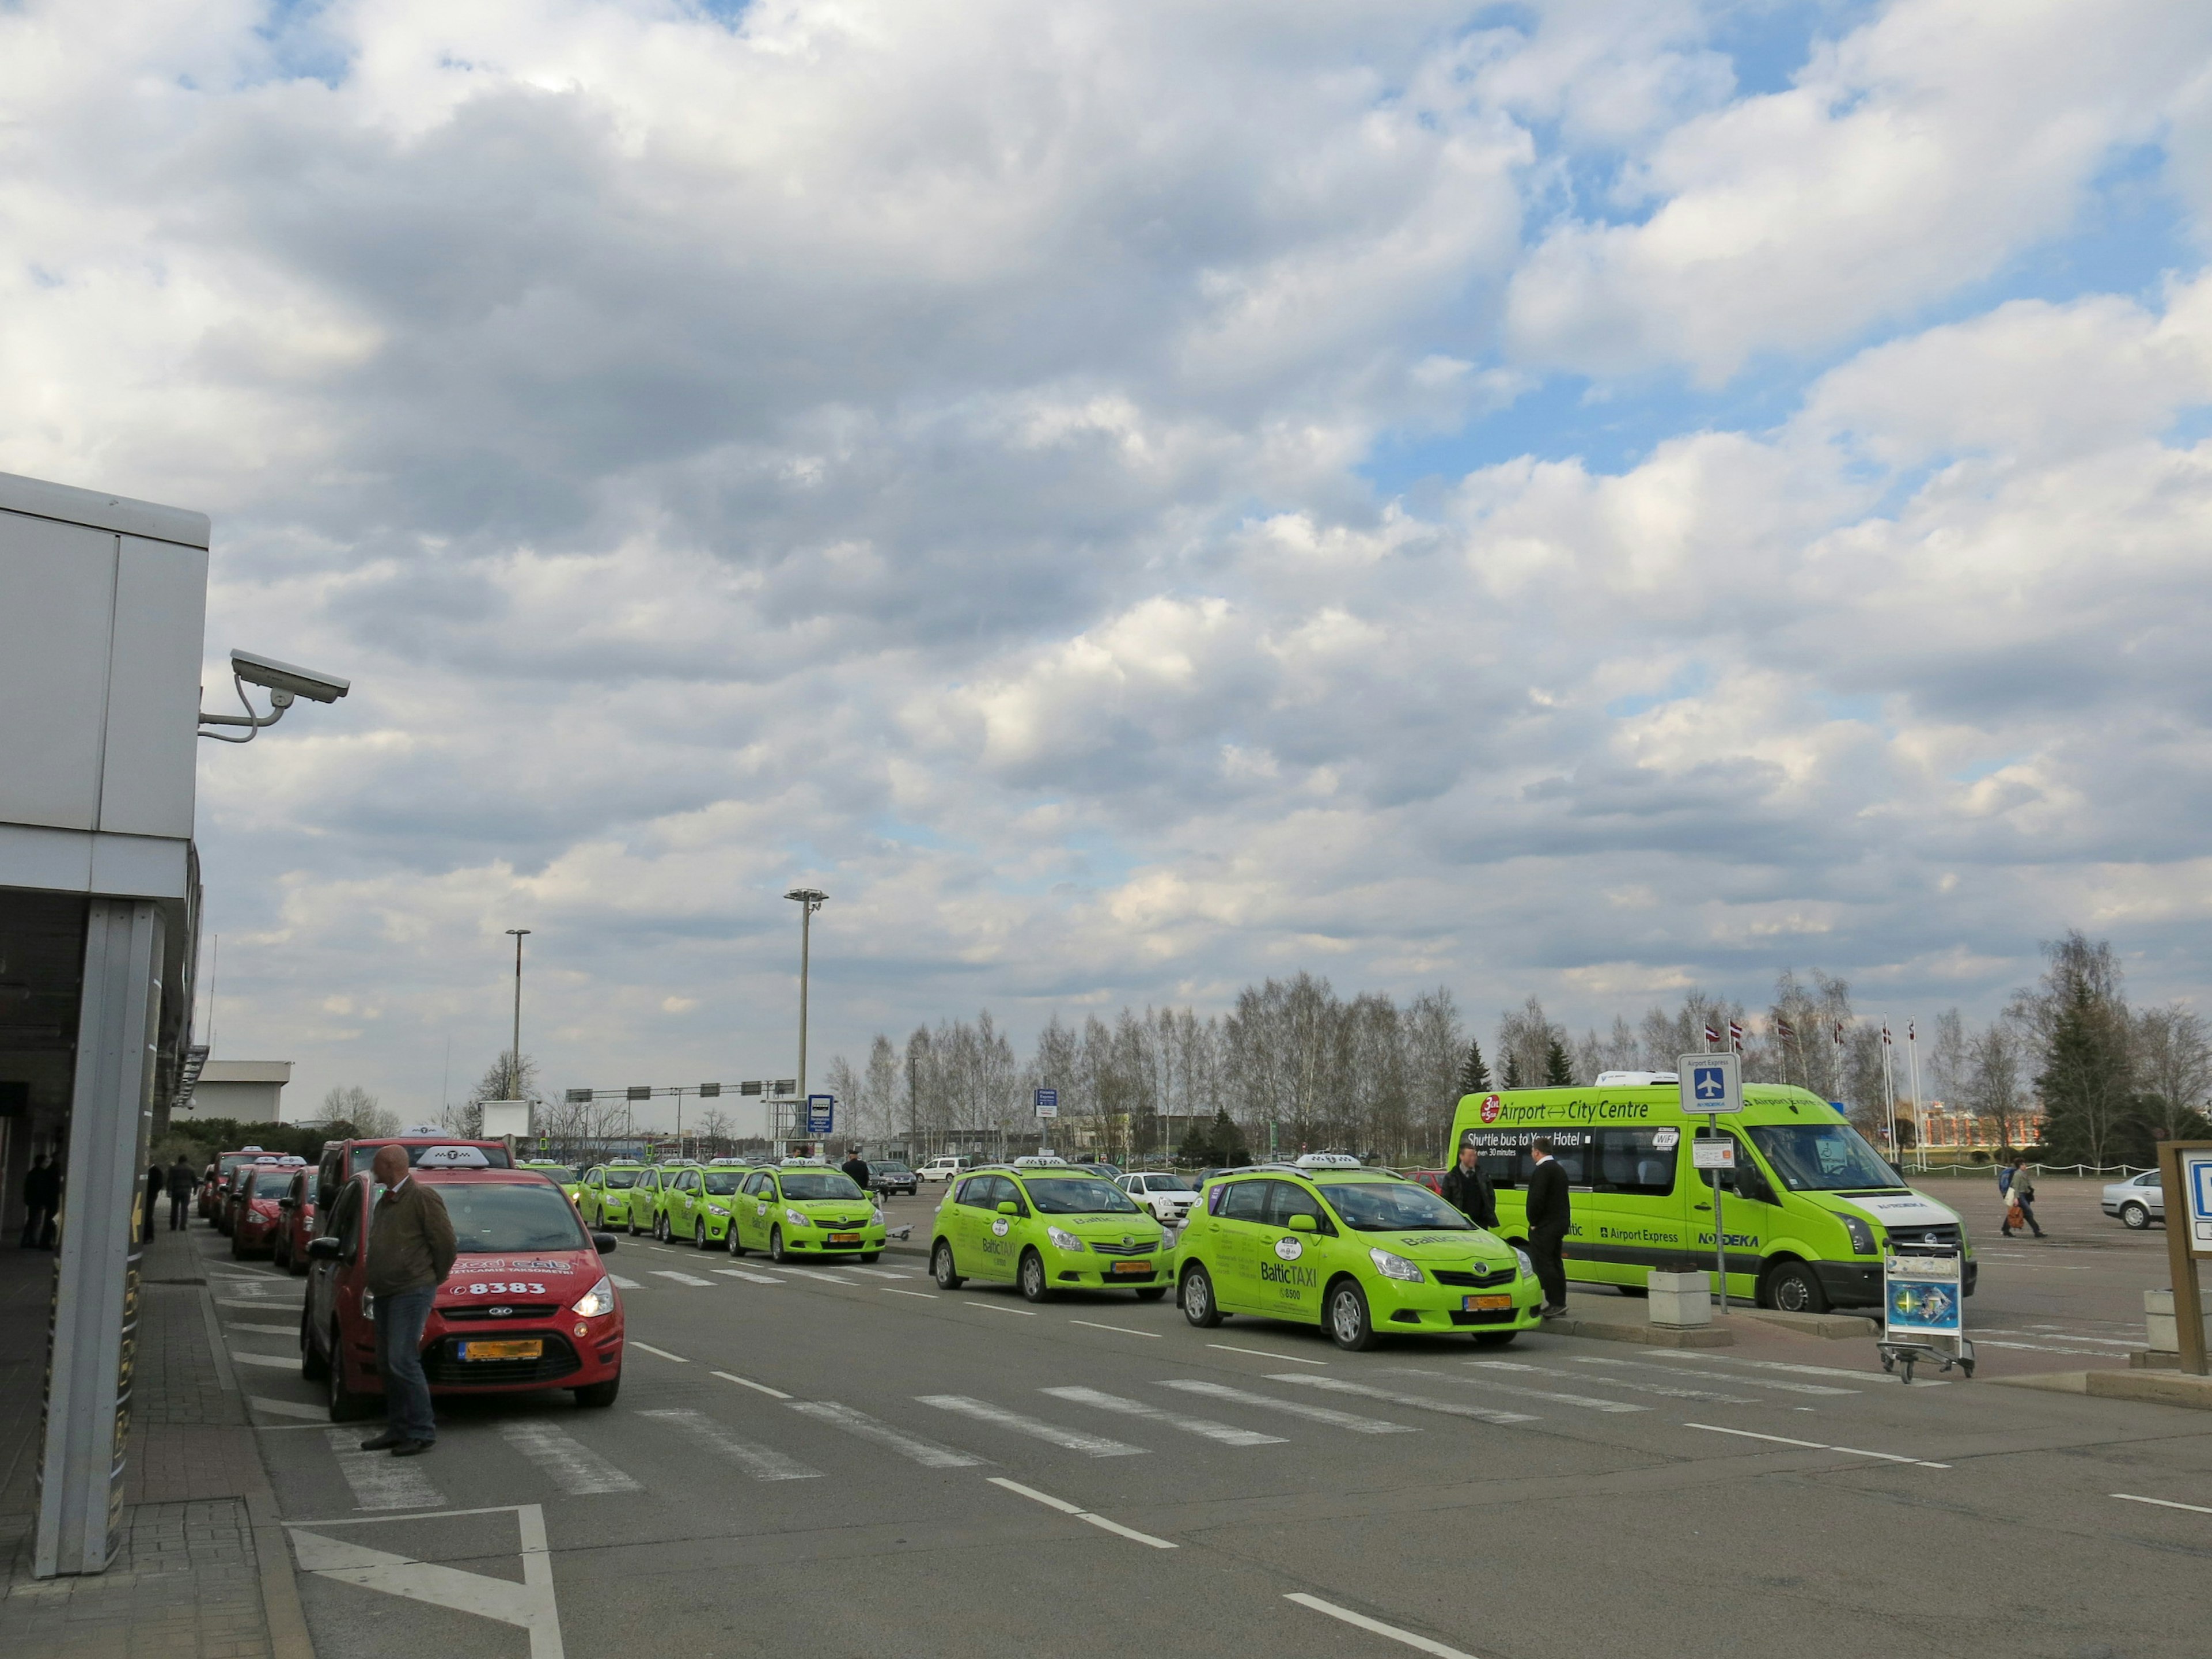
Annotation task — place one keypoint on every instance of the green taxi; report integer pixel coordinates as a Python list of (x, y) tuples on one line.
[(648, 1200), (1361, 1252), (605, 1197), (561, 1174), (798, 1211), (1047, 1226), (696, 1204)]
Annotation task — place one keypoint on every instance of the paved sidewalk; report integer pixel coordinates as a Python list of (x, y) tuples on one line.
[(203, 1571)]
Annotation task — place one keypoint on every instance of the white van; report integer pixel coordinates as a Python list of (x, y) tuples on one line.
[(944, 1166)]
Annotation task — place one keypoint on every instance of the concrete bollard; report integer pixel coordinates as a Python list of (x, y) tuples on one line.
[(1680, 1301), (2161, 1330)]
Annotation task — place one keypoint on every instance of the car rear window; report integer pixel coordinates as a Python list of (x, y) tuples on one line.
[(497, 1219)]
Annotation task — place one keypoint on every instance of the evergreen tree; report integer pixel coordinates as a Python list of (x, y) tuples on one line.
[(1512, 1077), (1474, 1075), (1558, 1070)]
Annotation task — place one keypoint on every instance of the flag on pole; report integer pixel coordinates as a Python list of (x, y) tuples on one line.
[(1886, 1041), (1913, 1030), (1782, 1029), (1711, 1036), (1735, 1037)]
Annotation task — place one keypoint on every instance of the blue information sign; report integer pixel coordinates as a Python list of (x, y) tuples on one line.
[(820, 1114)]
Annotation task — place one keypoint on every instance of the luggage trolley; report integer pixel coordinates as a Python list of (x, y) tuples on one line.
[(1923, 1310)]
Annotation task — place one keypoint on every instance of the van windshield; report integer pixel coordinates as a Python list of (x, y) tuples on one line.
[(498, 1219), (1821, 1158)]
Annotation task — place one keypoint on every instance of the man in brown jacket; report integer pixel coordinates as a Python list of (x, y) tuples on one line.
[(410, 1251)]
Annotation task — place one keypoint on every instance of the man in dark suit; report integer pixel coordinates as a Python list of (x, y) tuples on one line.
[(1466, 1189), (1547, 1225)]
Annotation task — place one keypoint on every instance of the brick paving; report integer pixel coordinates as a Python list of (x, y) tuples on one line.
[(186, 1581)]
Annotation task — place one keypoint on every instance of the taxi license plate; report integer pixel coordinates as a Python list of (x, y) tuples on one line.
[(844, 1238), (1132, 1268), (534, 1349), (1485, 1304)]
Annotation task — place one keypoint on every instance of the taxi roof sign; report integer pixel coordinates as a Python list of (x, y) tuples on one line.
[(452, 1157)]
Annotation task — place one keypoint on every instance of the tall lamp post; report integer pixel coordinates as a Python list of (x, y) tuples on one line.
[(808, 900), (515, 1070)]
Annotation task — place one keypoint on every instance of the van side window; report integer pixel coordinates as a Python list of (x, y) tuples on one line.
[(1631, 1161)]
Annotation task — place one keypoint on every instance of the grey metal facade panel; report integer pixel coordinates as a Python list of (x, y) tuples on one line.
[(96, 507), (152, 752), (56, 630), (74, 861)]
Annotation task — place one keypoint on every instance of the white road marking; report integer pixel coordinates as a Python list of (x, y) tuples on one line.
[(622, 1284), (380, 1480), (1798, 1370), (1124, 1329), (817, 1272), (663, 1352), (2162, 1503), (682, 1279), (924, 1295), (881, 1273), (281, 1362), (1081, 1514), (747, 1383), (2044, 1347), (1584, 1402), (286, 1408), (258, 1304), (264, 1330), (1091, 1445), (530, 1605), (1736, 1377), (1419, 1401), (1262, 1353), (1203, 1426), (749, 1277), (927, 1453), (1626, 1383), (1375, 1626), (1295, 1408), (575, 1468), (997, 1307), (761, 1463), (1817, 1445)]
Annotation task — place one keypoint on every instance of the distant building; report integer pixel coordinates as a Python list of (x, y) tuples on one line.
[(251, 1090)]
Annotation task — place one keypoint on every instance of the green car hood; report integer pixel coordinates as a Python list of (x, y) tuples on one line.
[(1445, 1249)]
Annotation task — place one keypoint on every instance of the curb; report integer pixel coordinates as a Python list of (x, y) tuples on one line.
[(1835, 1327), (2145, 1388)]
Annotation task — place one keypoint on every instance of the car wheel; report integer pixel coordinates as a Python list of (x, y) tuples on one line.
[(1198, 1303), (594, 1396), (867, 1256), (775, 1245), (699, 1234), (730, 1239), (313, 1367), (940, 1268), (1151, 1293), (346, 1405), (1031, 1276), (1495, 1339), (1791, 1288), (1349, 1326), (2135, 1216)]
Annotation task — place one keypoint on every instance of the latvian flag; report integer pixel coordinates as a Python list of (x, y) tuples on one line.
[(1735, 1037), (1783, 1030), (1711, 1036), (1886, 1042)]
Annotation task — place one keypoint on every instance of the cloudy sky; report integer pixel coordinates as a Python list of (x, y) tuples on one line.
[(1574, 498)]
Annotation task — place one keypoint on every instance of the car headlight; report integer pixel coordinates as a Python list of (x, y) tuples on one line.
[(1527, 1267), (1394, 1267), (1065, 1241), (796, 1217), (1862, 1235), (876, 1216), (599, 1299)]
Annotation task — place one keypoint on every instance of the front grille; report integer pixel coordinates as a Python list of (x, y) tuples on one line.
[(1103, 1248), (514, 1310), (1933, 1233), (1461, 1276), (442, 1365)]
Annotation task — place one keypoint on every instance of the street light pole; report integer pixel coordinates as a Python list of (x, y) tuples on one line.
[(809, 899), (514, 1072)]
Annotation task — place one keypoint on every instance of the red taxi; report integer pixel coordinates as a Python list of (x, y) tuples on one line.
[(527, 1308), (297, 1224), (255, 1211), (344, 1159), (216, 1182)]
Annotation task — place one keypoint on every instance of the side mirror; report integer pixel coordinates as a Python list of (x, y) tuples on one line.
[(325, 1250), (1303, 1223), (603, 1243), (1007, 1206)]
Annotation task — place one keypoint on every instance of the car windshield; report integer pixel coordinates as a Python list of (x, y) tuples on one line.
[(724, 1181), (1393, 1206), (1166, 1183), (1821, 1158), (623, 1177), (818, 1183), (496, 1219), (1077, 1195), (560, 1172), (272, 1186), (891, 1166)]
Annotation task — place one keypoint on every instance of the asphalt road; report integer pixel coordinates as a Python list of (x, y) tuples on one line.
[(856, 1464)]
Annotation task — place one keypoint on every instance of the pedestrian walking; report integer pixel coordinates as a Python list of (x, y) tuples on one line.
[(42, 1197), (181, 1181), (1466, 1189), (410, 1251), (2004, 1182), (157, 1180), (857, 1166), (2020, 1206), (1549, 1213)]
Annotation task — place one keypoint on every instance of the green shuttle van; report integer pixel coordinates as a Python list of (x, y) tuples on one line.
[(1807, 1208), (1361, 1253), (1048, 1225)]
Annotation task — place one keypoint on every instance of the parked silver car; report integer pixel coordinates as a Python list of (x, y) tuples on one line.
[(2138, 1201)]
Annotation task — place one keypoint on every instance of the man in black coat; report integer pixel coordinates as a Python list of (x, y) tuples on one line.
[(1466, 1189), (1547, 1225), (857, 1166), (42, 1196), (181, 1182)]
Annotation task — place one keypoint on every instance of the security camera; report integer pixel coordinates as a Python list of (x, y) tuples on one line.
[(287, 677)]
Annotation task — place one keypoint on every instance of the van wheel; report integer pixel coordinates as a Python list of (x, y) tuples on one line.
[(1495, 1339), (313, 1367), (1034, 1286), (1198, 1303), (940, 1268), (594, 1396), (2135, 1216), (1791, 1288), (1349, 1326), (346, 1405)]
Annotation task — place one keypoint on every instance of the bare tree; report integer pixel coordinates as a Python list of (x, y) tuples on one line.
[(2173, 1065), (351, 1103), (1992, 1090)]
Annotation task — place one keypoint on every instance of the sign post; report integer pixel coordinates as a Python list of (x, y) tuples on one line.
[(1048, 1102), (820, 1114), (1712, 1085), (2185, 1172)]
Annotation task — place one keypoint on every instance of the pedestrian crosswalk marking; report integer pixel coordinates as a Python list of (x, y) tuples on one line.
[(1630, 1384), (530, 1604), (622, 1284), (264, 1330), (280, 1362), (681, 1279), (1736, 1377), (1206, 1428), (1584, 1402), (575, 1468), (749, 1277), (762, 1462), (380, 1480), (1293, 1408), (1417, 1401), (286, 1408), (1091, 1445), (816, 1273), (927, 1453), (1807, 1370), (881, 1273)]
